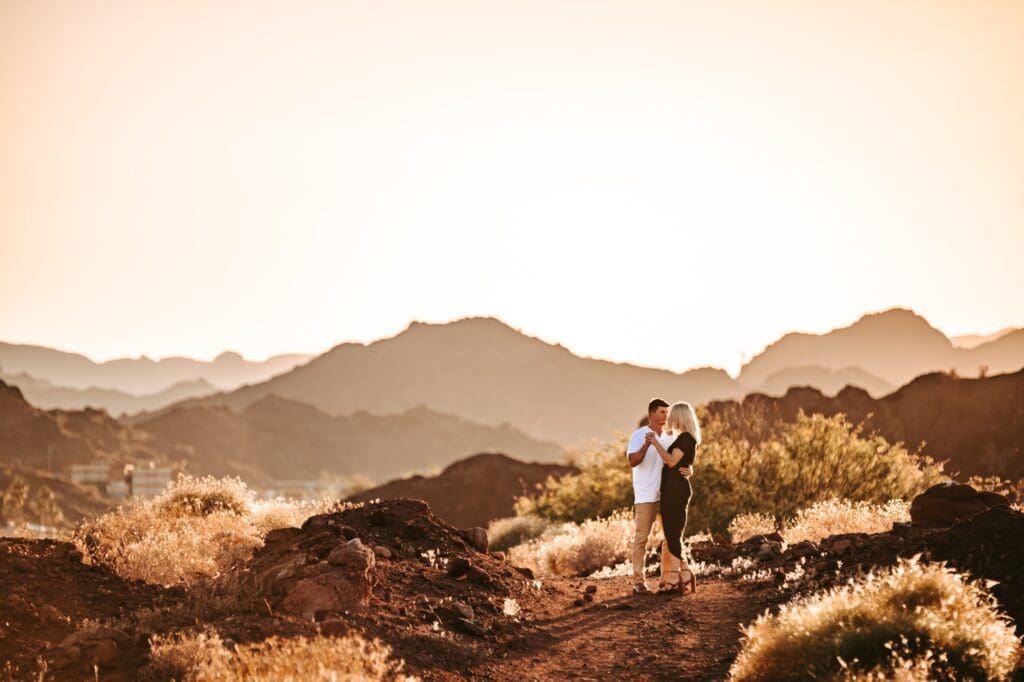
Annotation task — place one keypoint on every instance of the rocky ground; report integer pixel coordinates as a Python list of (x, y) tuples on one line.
[(450, 608)]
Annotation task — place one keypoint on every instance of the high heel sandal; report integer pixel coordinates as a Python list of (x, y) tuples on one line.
[(691, 582)]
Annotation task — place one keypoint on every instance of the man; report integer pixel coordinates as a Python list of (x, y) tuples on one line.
[(647, 465)]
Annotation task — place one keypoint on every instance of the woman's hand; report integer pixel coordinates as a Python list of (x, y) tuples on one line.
[(686, 471)]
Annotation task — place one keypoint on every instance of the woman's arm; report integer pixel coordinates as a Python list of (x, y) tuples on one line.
[(669, 458)]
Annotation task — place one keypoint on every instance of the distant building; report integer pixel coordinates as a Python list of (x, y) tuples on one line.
[(152, 481), (93, 474)]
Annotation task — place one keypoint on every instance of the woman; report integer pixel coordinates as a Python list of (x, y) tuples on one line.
[(676, 492)]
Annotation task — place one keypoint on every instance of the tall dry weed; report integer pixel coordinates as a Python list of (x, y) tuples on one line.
[(199, 528), (203, 657)]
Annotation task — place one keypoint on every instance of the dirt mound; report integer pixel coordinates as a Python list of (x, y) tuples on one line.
[(976, 424), (45, 593), (392, 570), (473, 491)]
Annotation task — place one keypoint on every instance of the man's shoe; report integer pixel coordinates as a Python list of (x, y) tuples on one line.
[(641, 588)]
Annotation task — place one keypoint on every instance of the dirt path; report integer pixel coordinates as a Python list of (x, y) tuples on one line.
[(623, 636)]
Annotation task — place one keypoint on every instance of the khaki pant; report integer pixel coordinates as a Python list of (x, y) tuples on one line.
[(644, 514)]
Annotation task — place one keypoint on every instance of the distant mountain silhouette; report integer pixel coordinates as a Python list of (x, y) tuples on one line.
[(828, 381), (284, 439), (44, 394), (32, 438), (138, 376), (472, 491), (483, 370), (976, 424), (975, 340), (895, 346)]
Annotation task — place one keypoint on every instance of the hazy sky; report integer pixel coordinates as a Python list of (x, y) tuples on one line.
[(670, 184)]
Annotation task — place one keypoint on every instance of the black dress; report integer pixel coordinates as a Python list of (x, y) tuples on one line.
[(676, 493)]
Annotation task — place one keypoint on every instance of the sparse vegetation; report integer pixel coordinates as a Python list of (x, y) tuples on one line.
[(822, 519), (198, 528), (515, 530), (756, 466), (913, 619), (603, 486), (745, 526), (204, 657), (748, 464)]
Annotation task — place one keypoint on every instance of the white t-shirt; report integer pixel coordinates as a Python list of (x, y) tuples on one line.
[(647, 474)]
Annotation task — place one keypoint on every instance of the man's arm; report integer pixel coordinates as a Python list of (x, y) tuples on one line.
[(637, 456)]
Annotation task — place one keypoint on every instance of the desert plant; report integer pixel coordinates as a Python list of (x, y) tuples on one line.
[(794, 464), (745, 526), (196, 529), (603, 486), (515, 530), (912, 615), (581, 548), (836, 517), (203, 657)]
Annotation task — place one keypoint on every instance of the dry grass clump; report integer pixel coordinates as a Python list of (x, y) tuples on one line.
[(203, 657), (579, 549), (198, 528), (515, 530), (912, 621), (823, 519), (746, 526), (836, 517)]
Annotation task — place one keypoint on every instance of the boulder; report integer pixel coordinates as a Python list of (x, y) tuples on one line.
[(944, 504)]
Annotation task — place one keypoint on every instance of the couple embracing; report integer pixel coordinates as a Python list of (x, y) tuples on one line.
[(661, 454)]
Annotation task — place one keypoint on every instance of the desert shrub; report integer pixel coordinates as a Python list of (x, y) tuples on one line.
[(205, 496), (913, 615), (745, 526), (581, 548), (515, 530), (192, 531), (603, 486), (836, 517), (791, 465), (203, 657)]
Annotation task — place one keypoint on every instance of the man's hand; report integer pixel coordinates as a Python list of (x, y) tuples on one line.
[(649, 438), (686, 471)]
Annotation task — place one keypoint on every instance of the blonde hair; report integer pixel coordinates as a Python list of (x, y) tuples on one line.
[(682, 418)]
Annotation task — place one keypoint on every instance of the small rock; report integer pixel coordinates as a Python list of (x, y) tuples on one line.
[(105, 652), (464, 610), (477, 537), (478, 575), (591, 589), (588, 596), (470, 628), (315, 522), (500, 556), (382, 551), (621, 606), (578, 602), (333, 627), (841, 546), (458, 567), (347, 532), (525, 572), (352, 555)]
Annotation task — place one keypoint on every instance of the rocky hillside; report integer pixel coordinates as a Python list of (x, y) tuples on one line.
[(284, 439), (32, 438), (472, 491), (975, 424)]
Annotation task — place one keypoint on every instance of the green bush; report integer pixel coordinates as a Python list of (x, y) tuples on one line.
[(515, 530), (748, 464), (603, 486), (913, 621), (778, 468)]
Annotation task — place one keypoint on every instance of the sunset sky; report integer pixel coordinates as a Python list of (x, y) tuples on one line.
[(671, 184)]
